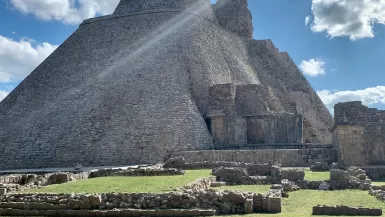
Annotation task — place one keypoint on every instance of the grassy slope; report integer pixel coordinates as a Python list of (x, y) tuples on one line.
[(152, 184)]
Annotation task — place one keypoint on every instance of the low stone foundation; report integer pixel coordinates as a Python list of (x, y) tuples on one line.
[(292, 174), (252, 168), (346, 211), (137, 172), (115, 213), (286, 157), (226, 202), (20, 182)]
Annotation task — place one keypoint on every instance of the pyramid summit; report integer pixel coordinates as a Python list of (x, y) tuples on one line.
[(156, 77)]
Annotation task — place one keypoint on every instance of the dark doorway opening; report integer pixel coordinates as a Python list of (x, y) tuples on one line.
[(208, 124)]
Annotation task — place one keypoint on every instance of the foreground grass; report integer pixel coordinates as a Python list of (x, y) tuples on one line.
[(153, 184), (316, 176), (300, 203)]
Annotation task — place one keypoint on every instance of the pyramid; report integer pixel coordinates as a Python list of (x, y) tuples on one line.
[(155, 77)]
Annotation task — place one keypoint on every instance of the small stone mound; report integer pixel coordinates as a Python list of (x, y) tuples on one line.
[(176, 162)]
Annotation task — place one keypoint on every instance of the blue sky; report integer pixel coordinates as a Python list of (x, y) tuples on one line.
[(338, 46)]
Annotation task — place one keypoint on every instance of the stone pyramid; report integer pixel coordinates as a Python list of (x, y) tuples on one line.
[(154, 77)]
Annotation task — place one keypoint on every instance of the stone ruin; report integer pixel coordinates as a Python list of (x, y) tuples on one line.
[(157, 77), (358, 136)]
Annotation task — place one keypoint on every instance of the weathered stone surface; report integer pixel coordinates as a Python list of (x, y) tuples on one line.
[(175, 162), (289, 186), (286, 157), (324, 186), (345, 211), (293, 174), (249, 206), (139, 116), (3, 191)]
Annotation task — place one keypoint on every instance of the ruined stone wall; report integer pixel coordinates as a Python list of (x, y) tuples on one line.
[(288, 158), (359, 134), (360, 145), (357, 113), (235, 16)]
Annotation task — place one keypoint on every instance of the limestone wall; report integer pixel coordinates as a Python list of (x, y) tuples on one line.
[(288, 158), (360, 145), (356, 113), (359, 134), (235, 16), (201, 8)]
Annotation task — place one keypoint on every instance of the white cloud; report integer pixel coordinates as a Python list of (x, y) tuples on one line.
[(66, 11), (368, 96), (313, 67), (19, 58), (3, 94), (350, 18), (307, 20)]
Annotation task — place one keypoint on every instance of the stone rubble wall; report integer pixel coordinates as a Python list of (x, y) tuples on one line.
[(238, 176), (346, 211), (224, 202), (375, 172), (253, 169), (360, 145), (287, 158), (137, 172), (20, 182), (358, 135), (115, 213), (292, 174), (357, 113)]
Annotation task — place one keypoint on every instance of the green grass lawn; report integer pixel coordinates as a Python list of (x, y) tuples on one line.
[(153, 184), (316, 176)]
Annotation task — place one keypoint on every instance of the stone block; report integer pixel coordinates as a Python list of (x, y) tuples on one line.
[(3, 191), (52, 213), (208, 212), (168, 212), (16, 212), (151, 213), (191, 213), (275, 205), (28, 213), (82, 213), (36, 213), (375, 212), (7, 212), (178, 212), (126, 212), (136, 212), (160, 213), (95, 201), (1, 211), (3, 205), (249, 206), (71, 213), (113, 213), (364, 211), (317, 210)]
